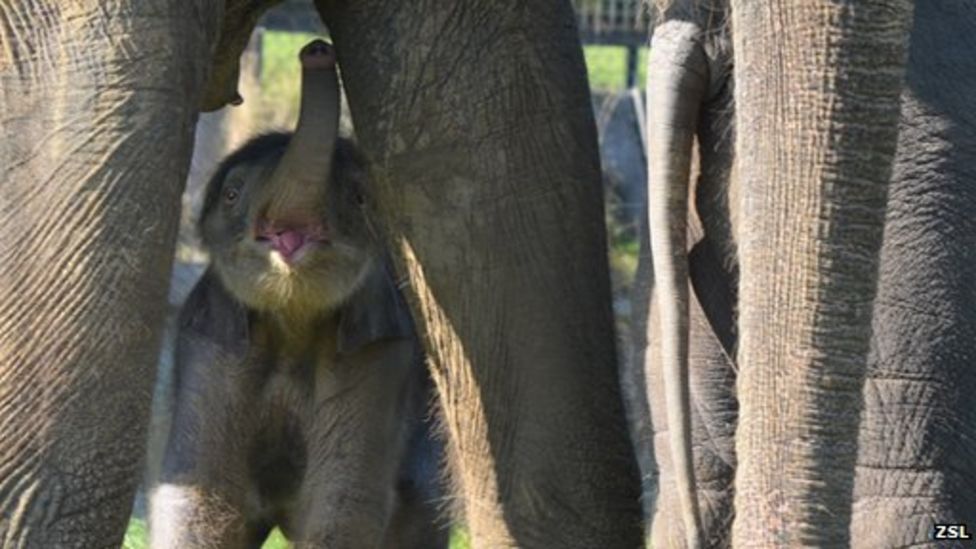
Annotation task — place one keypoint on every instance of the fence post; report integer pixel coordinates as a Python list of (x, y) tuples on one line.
[(631, 65)]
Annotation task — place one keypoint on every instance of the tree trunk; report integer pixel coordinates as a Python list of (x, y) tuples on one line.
[(477, 120), (817, 97), (98, 109)]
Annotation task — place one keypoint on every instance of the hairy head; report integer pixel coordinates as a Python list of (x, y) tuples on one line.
[(298, 261)]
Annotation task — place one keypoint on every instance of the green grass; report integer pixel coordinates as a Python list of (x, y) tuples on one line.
[(280, 71), (606, 67), (460, 539), (136, 538)]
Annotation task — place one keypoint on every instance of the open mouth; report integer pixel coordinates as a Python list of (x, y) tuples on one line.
[(291, 244)]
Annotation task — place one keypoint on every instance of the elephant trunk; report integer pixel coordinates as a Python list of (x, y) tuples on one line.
[(300, 180), (817, 106), (677, 77)]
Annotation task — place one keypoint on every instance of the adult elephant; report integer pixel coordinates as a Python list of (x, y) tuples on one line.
[(477, 120), (906, 462)]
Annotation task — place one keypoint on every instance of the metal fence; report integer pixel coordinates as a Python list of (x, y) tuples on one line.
[(616, 22)]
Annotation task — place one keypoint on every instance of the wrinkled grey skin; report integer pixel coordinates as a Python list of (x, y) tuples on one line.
[(481, 205), (314, 424), (915, 461), (520, 346)]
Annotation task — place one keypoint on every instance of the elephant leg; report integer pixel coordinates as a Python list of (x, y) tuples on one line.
[(347, 496), (98, 108), (478, 122), (416, 522), (817, 97), (207, 494), (355, 445), (917, 445)]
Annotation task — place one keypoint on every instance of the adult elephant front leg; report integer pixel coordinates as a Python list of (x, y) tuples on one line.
[(95, 134), (477, 119), (817, 97)]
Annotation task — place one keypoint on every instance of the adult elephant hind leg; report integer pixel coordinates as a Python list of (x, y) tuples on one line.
[(817, 96), (98, 111), (917, 444), (491, 199)]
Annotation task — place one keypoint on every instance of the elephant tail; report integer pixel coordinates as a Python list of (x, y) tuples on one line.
[(677, 78)]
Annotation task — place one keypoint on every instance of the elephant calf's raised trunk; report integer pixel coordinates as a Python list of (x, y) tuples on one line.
[(299, 180), (676, 82)]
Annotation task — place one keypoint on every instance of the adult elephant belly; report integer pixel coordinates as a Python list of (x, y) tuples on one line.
[(917, 445)]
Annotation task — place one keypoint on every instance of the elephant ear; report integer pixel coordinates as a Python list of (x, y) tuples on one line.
[(375, 312), (211, 314)]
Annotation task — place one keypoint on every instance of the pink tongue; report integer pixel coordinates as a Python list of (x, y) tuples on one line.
[(287, 242)]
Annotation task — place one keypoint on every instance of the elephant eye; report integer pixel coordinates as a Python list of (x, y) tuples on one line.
[(231, 195)]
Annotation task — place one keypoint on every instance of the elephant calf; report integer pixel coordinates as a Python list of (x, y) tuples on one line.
[(299, 387)]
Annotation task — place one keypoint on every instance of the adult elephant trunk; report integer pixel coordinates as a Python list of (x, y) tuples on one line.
[(677, 78), (307, 162), (817, 99)]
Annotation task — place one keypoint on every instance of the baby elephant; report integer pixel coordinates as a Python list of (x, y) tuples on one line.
[(300, 392)]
